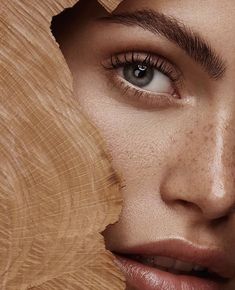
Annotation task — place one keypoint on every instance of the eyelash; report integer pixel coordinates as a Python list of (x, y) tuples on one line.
[(153, 61)]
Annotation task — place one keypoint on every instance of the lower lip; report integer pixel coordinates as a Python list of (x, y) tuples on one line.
[(143, 277)]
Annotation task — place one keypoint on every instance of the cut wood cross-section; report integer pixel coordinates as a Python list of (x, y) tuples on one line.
[(58, 190)]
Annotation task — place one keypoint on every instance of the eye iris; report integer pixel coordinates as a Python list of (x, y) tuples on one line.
[(138, 75)]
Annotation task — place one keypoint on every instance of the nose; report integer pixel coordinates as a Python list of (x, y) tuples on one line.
[(203, 178)]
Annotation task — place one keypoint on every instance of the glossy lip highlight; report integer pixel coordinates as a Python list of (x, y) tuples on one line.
[(212, 258)]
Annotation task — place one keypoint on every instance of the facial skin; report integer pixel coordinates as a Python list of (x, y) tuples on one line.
[(177, 155)]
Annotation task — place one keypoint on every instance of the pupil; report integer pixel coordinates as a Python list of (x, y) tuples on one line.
[(138, 74), (140, 71)]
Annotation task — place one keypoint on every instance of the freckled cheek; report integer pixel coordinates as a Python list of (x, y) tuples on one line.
[(141, 142)]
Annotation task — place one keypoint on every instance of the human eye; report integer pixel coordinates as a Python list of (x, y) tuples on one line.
[(146, 78)]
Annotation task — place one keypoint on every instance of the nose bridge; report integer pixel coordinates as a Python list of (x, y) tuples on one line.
[(217, 155), (213, 165)]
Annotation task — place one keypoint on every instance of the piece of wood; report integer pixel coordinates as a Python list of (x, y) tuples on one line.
[(110, 5), (58, 190)]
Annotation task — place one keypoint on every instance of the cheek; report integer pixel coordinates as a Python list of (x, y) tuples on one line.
[(142, 143)]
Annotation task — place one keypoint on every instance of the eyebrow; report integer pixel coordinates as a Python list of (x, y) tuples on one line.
[(175, 31)]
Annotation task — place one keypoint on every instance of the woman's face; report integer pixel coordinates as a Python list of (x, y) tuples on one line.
[(157, 78)]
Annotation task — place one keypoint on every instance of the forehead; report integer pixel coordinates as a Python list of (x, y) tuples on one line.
[(201, 13), (199, 7)]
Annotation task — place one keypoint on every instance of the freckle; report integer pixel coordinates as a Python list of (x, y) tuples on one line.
[(189, 134), (205, 128), (208, 127)]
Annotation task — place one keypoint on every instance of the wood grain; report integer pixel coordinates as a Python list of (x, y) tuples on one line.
[(110, 5), (58, 190)]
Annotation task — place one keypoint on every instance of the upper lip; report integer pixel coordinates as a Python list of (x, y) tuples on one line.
[(214, 259)]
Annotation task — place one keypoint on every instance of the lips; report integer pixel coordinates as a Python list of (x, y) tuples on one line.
[(174, 263)]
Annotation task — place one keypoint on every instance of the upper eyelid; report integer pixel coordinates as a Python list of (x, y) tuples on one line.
[(131, 56)]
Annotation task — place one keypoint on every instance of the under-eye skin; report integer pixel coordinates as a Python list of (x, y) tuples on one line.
[(146, 78)]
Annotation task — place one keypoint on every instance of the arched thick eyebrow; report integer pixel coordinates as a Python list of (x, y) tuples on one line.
[(175, 31)]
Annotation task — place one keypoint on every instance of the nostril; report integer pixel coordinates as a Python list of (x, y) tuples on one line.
[(185, 203), (220, 220), (188, 205)]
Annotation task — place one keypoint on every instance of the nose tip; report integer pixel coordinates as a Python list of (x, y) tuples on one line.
[(218, 200), (215, 207), (213, 199)]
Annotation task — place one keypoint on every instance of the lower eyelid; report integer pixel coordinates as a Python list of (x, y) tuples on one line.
[(143, 97)]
